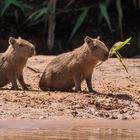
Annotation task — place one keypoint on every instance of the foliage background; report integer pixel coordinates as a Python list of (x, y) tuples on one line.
[(57, 26)]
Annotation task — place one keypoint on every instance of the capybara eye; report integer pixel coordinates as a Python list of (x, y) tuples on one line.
[(95, 47), (20, 45)]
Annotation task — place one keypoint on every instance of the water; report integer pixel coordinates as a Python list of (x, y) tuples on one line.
[(91, 134)]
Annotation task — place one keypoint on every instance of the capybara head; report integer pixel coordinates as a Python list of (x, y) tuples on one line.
[(22, 48), (98, 49)]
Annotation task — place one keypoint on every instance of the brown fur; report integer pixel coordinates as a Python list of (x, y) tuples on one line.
[(70, 69), (13, 60)]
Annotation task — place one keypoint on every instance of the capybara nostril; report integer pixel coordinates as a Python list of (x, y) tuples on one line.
[(106, 55), (33, 52), (33, 48)]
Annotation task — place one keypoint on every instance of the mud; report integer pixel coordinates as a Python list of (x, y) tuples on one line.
[(116, 96)]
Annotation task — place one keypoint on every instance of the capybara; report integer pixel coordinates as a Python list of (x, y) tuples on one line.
[(13, 60), (69, 69)]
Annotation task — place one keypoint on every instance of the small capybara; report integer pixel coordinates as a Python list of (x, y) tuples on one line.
[(13, 60), (69, 69)]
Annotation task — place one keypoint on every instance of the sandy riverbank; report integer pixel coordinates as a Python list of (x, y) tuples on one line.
[(117, 95)]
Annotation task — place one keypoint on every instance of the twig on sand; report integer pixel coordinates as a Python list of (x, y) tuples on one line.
[(32, 69)]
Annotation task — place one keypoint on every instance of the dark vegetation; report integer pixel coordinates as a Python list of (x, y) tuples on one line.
[(56, 26)]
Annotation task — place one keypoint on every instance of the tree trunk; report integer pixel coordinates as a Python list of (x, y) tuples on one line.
[(51, 25)]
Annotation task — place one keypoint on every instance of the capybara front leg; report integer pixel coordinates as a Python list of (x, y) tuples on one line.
[(21, 81), (77, 84), (13, 82), (89, 83)]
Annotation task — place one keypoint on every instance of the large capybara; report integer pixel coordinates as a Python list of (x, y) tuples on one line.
[(69, 69), (13, 60)]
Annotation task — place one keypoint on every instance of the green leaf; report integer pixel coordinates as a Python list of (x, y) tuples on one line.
[(35, 22), (41, 12), (7, 4), (38, 15), (118, 46), (100, 16), (104, 13), (79, 22), (121, 45), (17, 3), (121, 60), (120, 15)]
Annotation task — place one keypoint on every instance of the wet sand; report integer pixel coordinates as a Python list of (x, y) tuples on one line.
[(69, 129), (94, 134), (62, 123)]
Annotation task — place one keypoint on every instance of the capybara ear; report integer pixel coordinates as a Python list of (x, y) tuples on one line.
[(88, 39), (98, 37), (95, 42), (12, 40)]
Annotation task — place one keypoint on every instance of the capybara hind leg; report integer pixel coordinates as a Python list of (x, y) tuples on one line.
[(3, 82)]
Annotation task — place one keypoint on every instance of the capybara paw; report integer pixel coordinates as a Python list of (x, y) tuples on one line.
[(14, 88), (78, 90), (26, 88), (91, 90), (27, 85)]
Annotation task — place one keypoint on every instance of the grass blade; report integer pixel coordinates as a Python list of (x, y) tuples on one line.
[(100, 16), (42, 12), (118, 55), (38, 16), (35, 22), (7, 4), (79, 22), (103, 10), (17, 3), (117, 48)]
